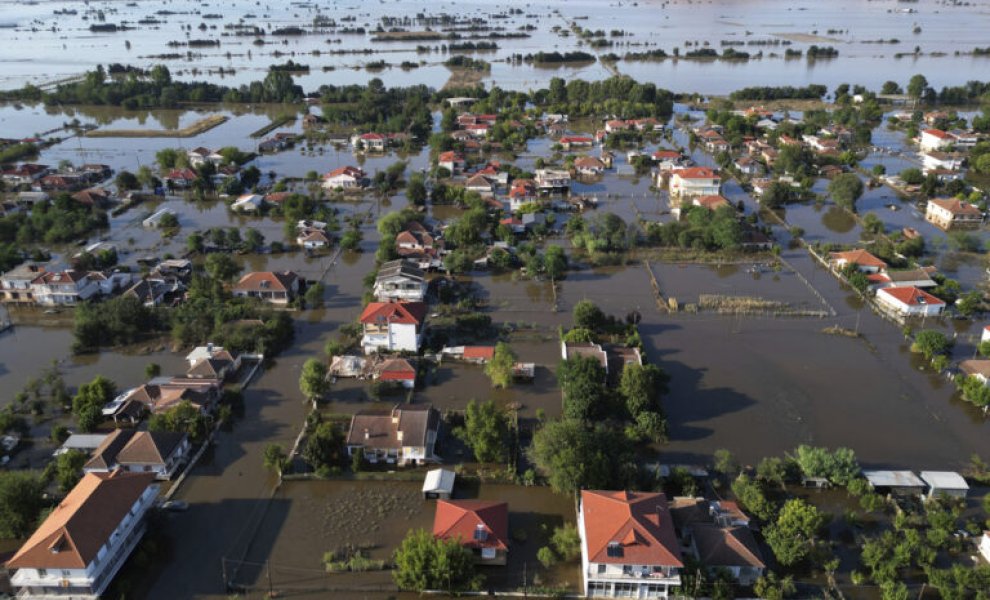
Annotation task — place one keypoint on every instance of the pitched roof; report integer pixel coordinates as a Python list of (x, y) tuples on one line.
[(478, 180), (81, 524), (396, 369), (956, 207), (976, 366), (711, 202), (267, 281), (483, 352), (407, 313), (150, 447), (637, 525), (476, 523), (859, 257), (938, 133), (383, 427), (350, 171), (911, 296), (726, 546), (696, 173)]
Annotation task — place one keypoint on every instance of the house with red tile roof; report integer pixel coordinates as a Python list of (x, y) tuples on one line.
[(393, 326), (859, 258), (732, 548), (452, 161), (948, 213), (934, 139), (60, 288), (909, 302), (273, 287), (344, 177), (628, 545), (695, 181), (84, 541), (481, 526), (371, 142), (575, 141), (474, 354), (398, 370)]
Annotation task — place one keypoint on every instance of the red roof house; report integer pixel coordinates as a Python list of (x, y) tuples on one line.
[(480, 525)]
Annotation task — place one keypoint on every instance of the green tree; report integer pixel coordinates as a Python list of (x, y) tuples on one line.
[(22, 498), (275, 458), (931, 343), (587, 315), (916, 87), (500, 368), (221, 267), (254, 240), (325, 446), (66, 469), (753, 498), (791, 537), (182, 418), (313, 379), (485, 431), (554, 262), (641, 386), (88, 402), (582, 381), (152, 370), (314, 295), (776, 195), (126, 181), (416, 189), (423, 562), (839, 467), (724, 462), (566, 541), (194, 242), (772, 587), (573, 456), (846, 189)]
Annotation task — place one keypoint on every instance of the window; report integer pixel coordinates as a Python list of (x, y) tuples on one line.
[(614, 549), (627, 569), (601, 569), (42, 572)]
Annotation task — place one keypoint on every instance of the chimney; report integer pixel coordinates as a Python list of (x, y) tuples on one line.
[(367, 433), (209, 348)]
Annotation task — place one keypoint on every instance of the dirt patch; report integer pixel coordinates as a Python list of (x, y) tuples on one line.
[(460, 78)]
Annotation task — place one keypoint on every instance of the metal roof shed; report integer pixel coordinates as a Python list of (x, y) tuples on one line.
[(439, 483), (947, 483), (899, 481)]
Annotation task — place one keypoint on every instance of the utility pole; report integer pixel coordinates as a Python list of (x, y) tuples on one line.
[(223, 573), (268, 568)]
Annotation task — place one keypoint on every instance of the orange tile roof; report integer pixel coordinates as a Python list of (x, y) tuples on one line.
[(956, 207), (696, 173), (460, 519), (638, 522), (408, 313), (859, 257), (911, 296), (486, 352), (82, 523)]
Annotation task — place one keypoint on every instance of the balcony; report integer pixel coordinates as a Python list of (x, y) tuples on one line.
[(637, 575)]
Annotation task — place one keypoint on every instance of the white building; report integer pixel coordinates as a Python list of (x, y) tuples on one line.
[(345, 177), (695, 181), (76, 552), (909, 302), (934, 139), (248, 203), (61, 288), (985, 546), (551, 179), (628, 545), (400, 280), (945, 483), (393, 326)]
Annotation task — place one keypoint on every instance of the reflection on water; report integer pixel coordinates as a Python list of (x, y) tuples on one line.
[(838, 220)]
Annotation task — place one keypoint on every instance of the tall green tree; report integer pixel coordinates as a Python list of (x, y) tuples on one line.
[(582, 381), (792, 535), (486, 431), (88, 402), (22, 498), (574, 456), (423, 562), (313, 379), (500, 368)]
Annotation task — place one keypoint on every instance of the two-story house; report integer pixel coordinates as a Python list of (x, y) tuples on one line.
[(345, 178), (15, 284), (393, 326), (400, 280), (552, 180), (59, 288), (948, 213), (695, 181), (76, 552), (628, 545), (405, 435), (157, 452)]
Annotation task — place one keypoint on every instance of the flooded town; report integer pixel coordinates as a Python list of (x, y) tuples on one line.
[(598, 298)]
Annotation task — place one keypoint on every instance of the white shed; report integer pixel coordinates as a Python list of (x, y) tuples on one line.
[(439, 483), (945, 483)]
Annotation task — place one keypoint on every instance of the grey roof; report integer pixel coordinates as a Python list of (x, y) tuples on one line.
[(400, 268), (893, 479), (944, 480), (909, 275), (83, 441), (414, 421)]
